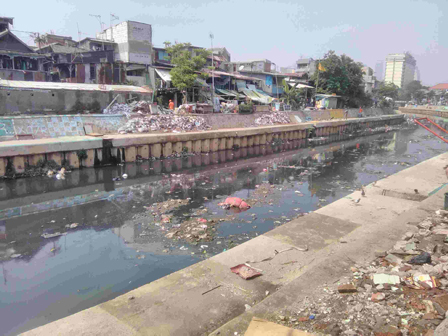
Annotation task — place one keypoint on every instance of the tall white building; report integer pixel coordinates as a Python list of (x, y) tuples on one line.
[(133, 39), (400, 69)]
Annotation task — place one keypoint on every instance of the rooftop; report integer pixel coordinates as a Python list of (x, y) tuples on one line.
[(441, 86), (97, 40), (13, 84)]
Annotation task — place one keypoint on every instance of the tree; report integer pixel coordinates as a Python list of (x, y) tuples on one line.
[(187, 67), (385, 93), (342, 76), (290, 95), (413, 91)]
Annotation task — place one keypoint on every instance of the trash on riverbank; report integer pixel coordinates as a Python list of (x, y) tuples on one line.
[(161, 208), (193, 230), (52, 235), (235, 202), (141, 107), (245, 271), (273, 118), (172, 123), (387, 296)]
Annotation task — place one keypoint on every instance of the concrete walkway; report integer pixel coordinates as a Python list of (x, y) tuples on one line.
[(179, 303)]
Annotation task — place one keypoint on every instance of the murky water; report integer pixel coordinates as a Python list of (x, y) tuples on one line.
[(117, 246)]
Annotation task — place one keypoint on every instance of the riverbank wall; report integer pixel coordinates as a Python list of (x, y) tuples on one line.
[(18, 156), (431, 111)]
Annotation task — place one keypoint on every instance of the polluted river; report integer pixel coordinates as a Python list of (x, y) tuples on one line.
[(69, 244)]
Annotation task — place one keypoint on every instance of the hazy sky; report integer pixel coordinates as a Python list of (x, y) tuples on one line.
[(280, 31)]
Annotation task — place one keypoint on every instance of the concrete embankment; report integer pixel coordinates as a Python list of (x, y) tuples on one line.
[(433, 111), (17, 156), (294, 258)]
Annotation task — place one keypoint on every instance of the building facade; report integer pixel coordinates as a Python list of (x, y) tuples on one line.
[(400, 69), (133, 41), (307, 66), (18, 61)]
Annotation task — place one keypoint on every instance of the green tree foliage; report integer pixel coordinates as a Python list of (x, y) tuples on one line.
[(342, 76), (388, 90), (385, 92), (187, 67), (414, 90), (290, 96)]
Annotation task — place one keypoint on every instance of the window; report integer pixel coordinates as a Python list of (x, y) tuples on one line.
[(92, 71)]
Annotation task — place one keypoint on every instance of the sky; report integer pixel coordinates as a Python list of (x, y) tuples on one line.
[(281, 31)]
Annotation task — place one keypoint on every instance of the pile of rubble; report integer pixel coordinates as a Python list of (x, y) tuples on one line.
[(273, 118), (118, 108), (402, 292), (141, 107), (167, 123)]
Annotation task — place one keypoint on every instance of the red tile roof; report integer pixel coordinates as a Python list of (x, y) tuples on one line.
[(441, 86)]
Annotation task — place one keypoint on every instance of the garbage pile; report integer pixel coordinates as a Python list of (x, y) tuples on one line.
[(404, 291), (118, 108), (141, 107), (167, 123), (272, 119)]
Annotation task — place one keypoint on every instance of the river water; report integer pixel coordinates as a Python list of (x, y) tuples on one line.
[(116, 246)]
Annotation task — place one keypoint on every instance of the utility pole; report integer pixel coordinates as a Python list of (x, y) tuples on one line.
[(213, 70), (112, 19)]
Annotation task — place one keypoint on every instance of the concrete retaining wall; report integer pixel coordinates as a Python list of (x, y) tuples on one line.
[(424, 111), (16, 156), (39, 127)]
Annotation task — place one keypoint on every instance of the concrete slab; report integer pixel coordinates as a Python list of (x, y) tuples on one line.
[(260, 327), (40, 146), (425, 177), (314, 231), (93, 321), (176, 305), (369, 211)]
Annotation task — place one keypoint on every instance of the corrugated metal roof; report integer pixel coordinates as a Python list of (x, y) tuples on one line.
[(62, 49), (70, 86), (164, 74)]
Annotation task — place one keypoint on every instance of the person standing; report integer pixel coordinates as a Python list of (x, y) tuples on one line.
[(360, 112), (171, 105)]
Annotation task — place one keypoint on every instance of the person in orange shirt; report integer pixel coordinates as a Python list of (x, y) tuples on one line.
[(171, 105)]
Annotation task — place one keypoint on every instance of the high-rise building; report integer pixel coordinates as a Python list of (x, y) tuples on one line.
[(400, 69)]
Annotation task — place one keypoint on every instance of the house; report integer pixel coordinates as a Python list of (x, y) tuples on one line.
[(94, 44), (79, 65), (18, 61), (306, 67), (261, 65), (440, 88), (47, 39), (133, 49)]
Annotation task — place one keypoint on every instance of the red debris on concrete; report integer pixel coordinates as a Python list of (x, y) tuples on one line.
[(245, 271)]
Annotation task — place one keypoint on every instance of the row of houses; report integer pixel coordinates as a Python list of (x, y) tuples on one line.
[(124, 54)]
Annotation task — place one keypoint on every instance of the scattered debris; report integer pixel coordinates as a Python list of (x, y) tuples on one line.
[(235, 202), (52, 235), (244, 271), (273, 118), (387, 296), (211, 289), (168, 123)]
